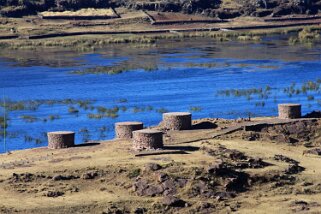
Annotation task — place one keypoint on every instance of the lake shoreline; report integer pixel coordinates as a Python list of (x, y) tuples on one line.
[(220, 126), (138, 29)]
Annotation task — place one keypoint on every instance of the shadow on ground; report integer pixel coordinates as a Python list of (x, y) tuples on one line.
[(182, 148), (204, 125), (87, 144)]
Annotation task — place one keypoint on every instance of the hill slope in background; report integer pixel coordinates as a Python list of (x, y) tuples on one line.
[(215, 8)]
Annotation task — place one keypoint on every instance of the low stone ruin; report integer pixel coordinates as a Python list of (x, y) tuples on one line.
[(124, 129), (61, 139)]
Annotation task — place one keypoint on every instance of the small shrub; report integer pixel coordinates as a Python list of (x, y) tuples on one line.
[(134, 173)]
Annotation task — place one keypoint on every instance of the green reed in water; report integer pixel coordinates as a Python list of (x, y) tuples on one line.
[(195, 108), (308, 36), (33, 105), (265, 93), (112, 70)]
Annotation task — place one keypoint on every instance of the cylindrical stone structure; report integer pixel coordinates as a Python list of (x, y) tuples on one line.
[(289, 110), (124, 130), (61, 139), (147, 139), (177, 120)]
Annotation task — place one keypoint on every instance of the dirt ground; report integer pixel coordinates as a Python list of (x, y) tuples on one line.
[(194, 173)]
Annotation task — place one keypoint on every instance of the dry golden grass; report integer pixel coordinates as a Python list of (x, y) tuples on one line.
[(79, 13)]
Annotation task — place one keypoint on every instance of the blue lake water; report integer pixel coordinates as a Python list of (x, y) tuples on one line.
[(186, 74)]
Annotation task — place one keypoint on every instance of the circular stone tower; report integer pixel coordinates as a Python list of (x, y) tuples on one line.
[(124, 130), (147, 139), (177, 120), (61, 139), (289, 111)]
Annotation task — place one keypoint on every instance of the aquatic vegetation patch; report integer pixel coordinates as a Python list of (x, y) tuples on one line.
[(260, 104), (102, 131), (101, 116), (3, 126), (121, 100), (85, 133), (123, 108), (73, 110), (161, 110), (103, 112), (201, 65), (33, 105), (262, 92), (310, 97), (249, 38), (305, 89), (29, 118), (137, 109), (307, 35), (91, 42), (310, 86), (53, 117), (95, 116), (112, 70), (83, 42), (3, 122), (32, 119), (21, 105), (85, 104), (195, 108), (37, 140), (99, 70)]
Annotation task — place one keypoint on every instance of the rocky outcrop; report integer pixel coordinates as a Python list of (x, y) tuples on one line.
[(279, 7)]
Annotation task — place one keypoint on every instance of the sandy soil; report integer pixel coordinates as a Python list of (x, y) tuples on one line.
[(205, 175)]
